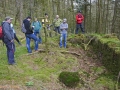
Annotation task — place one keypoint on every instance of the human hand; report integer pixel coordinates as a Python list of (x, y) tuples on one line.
[(12, 40)]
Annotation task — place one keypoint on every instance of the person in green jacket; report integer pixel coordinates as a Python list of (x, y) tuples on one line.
[(36, 25), (57, 21)]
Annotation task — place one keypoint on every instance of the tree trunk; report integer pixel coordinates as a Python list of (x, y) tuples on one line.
[(85, 15), (114, 17), (21, 11)]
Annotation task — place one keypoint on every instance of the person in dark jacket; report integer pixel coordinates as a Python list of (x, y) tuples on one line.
[(79, 22), (29, 34), (9, 40)]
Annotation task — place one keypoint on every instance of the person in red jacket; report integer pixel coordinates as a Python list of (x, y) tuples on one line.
[(79, 22)]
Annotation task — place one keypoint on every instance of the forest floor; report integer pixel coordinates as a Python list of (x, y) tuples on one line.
[(40, 70)]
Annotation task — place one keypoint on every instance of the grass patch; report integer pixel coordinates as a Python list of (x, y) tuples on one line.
[(39, 69)]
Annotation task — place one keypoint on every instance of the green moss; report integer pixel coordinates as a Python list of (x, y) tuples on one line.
[(107, 48), (105, 82), (70, 79), (77, 39)]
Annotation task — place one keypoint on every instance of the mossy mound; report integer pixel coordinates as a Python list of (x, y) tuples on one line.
[(107, 48), (77, 39), (70, 79)]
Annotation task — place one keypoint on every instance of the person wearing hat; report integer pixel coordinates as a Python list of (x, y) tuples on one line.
[(79, 22), (9, 40), (63, 31), (29, 35)]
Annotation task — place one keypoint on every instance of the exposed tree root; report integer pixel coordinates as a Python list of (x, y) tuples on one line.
[(69, 52), (23, 39), (40, 50), (86, 45), (43, 51), (116, 86)]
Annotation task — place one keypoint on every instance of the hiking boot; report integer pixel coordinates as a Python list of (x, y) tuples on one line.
[(12, 63), (30, 52)]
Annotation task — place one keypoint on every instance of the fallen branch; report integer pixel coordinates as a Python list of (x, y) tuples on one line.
[(116, 86), (86, 45), (69, 52), (40, 50)]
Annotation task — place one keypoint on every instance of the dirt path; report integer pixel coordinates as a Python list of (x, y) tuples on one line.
[(88, 63), (87, 59)]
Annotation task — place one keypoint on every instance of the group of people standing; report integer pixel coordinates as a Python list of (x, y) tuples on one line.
[(33, 32)]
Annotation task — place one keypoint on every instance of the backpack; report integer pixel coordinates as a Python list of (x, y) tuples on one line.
[(1, 33), (23, 28)]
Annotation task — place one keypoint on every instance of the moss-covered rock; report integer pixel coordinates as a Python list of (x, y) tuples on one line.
[(70, 79)]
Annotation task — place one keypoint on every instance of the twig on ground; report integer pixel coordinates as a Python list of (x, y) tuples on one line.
[(69, 52), (40, 50)]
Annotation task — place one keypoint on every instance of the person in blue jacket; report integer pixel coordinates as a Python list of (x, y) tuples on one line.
[(63, 32), (37, 28), (8, 39)]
